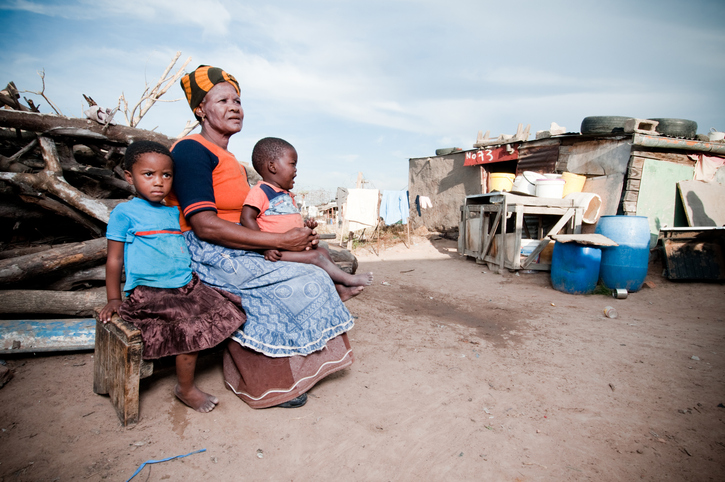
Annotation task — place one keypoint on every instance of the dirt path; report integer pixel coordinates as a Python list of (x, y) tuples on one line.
[(460, 374)]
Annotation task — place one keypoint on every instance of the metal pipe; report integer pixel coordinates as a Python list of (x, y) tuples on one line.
[(683, 144)]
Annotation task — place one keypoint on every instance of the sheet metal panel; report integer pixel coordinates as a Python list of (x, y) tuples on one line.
[(694, 253), (537, 158)]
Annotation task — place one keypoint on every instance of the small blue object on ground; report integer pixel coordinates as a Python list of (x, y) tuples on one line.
[(163, 460)]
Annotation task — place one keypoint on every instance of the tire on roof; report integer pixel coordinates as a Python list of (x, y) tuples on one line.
[(676, 127), (605, 124), (447, 150)]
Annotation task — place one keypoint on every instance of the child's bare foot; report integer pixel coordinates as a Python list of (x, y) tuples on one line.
[(196, 399), (362, 279), (347, 292)]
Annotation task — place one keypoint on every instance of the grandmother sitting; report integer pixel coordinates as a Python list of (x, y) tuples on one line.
[(295, 333)]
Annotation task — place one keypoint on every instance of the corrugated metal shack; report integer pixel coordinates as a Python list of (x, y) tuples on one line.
[(635, 174)]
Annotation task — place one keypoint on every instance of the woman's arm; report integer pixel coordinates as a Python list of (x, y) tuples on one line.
[(114, 266), (212, 229)]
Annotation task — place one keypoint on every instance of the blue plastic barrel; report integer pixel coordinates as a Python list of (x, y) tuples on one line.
[(575, 268), (624, 266)]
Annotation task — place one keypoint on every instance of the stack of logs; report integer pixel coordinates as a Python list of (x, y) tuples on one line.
[(59, 180)]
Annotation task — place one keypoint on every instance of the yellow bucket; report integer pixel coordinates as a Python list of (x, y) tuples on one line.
[(574, 182), (501, 181)]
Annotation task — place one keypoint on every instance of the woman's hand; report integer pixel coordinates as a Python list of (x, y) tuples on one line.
[(212, 229), (300, 239), (107, 311)]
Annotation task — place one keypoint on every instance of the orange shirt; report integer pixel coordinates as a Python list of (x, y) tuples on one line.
[(206, 178), (278, 211)]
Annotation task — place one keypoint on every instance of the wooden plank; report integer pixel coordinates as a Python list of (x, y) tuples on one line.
[(535, 253), (630, 196), (490, 233), (561, 222), (543, 210), (634, 172), (33, 336), (473, 236), (703, 202), (663, 156), (461, 230), (637, 162), (516, 258), (629, 207), (592, 239), (632, 185)]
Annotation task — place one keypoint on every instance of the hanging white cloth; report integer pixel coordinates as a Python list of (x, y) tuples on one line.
[(362, 208)]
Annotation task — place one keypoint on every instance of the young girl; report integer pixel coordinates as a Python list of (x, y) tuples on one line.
[(176, 313), (270, 207)]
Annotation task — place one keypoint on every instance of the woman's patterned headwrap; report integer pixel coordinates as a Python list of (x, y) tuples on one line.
[(197, 83)]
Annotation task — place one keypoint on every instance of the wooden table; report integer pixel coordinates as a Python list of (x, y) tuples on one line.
[(484, 224)]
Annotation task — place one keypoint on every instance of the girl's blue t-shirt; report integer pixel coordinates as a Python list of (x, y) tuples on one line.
[(155, 252)]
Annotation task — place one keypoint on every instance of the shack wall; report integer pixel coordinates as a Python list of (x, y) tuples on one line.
[(446, 182), (611, 164)]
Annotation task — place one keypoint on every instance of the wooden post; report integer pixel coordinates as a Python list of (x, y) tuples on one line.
[(377, 229), (408, 232)]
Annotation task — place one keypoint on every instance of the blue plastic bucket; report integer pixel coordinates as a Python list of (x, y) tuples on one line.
[(575, 268), (624, 266)]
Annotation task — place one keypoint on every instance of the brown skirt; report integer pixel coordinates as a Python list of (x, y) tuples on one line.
[(263, 381), (182, 320)]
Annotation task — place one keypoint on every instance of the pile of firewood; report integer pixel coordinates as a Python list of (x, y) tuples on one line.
[(60, 178)]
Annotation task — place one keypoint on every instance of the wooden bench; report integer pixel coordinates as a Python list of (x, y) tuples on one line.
[(118, 367)]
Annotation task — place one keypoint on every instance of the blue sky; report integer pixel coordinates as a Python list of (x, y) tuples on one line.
[(366, 85)]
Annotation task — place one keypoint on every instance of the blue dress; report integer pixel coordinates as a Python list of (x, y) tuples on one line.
[(292, 308)]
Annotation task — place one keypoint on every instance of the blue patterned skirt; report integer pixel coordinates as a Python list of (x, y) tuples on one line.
[(292, 308)]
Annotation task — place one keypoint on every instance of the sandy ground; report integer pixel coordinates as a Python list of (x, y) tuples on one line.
[(460, 374)]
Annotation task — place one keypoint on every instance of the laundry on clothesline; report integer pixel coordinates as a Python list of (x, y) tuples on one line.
[(394, 207), (362, 208)]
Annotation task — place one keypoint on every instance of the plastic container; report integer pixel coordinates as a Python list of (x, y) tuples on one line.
[(715, 136), (624, 266), (501, 181), (591, 202), (575, 268), (610, 312), (526, 183), (553, 188), (574, 182)]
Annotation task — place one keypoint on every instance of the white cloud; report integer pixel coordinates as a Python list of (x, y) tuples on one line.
[(210, 16)]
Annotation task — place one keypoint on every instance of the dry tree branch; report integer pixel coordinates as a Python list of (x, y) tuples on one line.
[(150, 97), (41, 73), (190, 126)]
